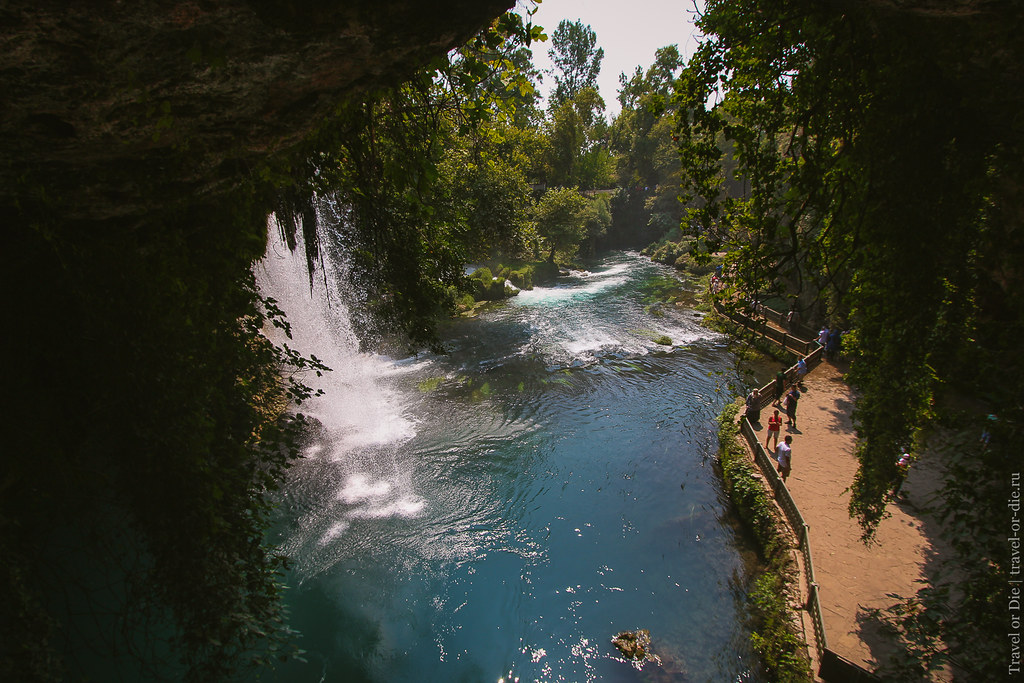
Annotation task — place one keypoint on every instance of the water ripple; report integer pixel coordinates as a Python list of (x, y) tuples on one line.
[(504, 509)]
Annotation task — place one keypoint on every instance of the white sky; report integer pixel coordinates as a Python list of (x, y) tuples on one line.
[(629, 32)]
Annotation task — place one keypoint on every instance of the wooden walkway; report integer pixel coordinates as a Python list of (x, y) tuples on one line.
[(852, 577)]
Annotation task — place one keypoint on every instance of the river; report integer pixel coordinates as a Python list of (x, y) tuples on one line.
[(501, 511)]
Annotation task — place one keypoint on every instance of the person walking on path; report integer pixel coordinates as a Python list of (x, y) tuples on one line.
[(774, 426), (790, 404), (903, 464), (780, 386), (835, 339), (823, 336), (784, 456)]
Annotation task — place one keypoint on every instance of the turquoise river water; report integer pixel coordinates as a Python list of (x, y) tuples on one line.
[(500, 512)]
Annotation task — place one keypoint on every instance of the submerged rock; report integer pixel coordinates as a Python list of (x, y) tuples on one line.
[(634, 645)]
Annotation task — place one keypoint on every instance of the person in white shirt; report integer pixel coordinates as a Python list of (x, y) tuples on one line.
[(784, 456)]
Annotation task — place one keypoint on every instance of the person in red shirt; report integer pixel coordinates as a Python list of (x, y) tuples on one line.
[(774, 426)]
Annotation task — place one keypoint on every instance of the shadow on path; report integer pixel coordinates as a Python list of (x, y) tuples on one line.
[(856, 578)]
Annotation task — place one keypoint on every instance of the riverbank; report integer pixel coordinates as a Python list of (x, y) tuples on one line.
[(778, 634), (851, 581)]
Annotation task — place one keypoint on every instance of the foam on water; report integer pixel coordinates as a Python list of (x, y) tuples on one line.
[(401, 508), (349, 470), (358, 489), (377, 499), (355, 409), (563, 335)]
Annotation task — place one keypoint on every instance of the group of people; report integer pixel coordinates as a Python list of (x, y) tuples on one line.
[(783, 452), (832, 340), (787, 401)]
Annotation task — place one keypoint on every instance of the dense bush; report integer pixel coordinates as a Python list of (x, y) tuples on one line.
[(782, 650)]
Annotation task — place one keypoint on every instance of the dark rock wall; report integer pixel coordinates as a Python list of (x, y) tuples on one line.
[(113, 105)]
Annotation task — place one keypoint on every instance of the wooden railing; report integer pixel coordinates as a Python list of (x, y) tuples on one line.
[(759, 325), (832, 667), (796, 522), (796, 329)]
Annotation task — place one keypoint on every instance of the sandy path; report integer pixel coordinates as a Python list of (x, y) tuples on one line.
[(852, 577)]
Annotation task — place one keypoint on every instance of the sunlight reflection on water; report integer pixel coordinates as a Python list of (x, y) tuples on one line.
[(505, 509)]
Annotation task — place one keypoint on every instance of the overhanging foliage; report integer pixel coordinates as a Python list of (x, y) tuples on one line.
[(878, 156)]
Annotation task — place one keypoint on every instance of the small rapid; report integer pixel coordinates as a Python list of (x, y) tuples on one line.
[(502, 510)]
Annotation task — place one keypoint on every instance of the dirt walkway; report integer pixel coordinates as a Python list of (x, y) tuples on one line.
[(852, 577)]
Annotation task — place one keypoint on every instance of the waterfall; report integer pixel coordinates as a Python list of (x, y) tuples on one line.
[(349, 470), (355, 410)]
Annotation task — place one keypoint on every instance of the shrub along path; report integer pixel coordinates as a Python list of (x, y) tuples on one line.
[(853, 577)]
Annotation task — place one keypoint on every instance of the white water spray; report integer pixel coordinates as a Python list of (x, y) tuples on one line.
[(352, 469), (356, 410)]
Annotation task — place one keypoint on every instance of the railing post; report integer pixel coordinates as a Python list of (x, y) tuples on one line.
[(813, 354)]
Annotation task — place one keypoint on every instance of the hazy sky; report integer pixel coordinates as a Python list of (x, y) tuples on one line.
[(628, 31)]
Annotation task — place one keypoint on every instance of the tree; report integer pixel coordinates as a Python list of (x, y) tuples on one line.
[(561, 219), (636, 133), (578, 134), (523, 94), (484, 193), (528, 149), (646, 101), (879, 157), (641, 137), (597, 219), (653, 87), (576, 57)]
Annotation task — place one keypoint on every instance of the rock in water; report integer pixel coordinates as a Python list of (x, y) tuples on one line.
[(635, 645)]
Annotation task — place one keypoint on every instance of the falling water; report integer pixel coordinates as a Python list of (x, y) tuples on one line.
[(501, 511), (359, 421), (358, 410)]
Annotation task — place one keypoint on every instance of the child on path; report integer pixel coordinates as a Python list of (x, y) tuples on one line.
[(784, 456), (774, 426)]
